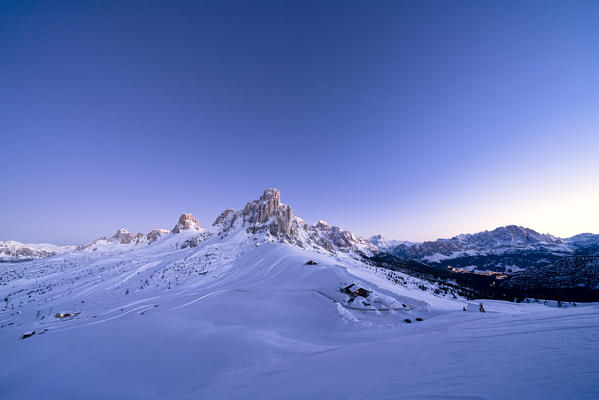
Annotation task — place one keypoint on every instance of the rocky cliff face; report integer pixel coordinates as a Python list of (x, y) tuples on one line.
[(343, 240), (155, 234), (123, 236), (268, 215), (269, 212), (186, 222)]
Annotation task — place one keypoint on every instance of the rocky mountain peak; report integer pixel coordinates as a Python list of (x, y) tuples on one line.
[(271, 194), (120, 233), (268, 206), (123, 236), (268, 213), (187, 221), (321, 225), (155, 234)]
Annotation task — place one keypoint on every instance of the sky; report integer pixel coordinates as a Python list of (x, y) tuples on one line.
[(413, 119)]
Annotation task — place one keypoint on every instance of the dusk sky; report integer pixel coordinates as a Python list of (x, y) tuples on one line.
[(415, 119)]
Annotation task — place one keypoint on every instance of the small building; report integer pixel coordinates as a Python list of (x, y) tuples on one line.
[(355, 291)]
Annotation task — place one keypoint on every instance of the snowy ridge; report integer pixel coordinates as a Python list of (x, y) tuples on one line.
[(499, 249), (384, 244), (12, 250)]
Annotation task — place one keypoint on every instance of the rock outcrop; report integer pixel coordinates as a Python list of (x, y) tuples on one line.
[(342, 240), (155, 234), (268, 211), (267, 214), (123, 236), (186, 222)]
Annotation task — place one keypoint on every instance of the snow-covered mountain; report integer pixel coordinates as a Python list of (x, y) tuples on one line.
[(384, 244), (505, 248), (266, 217), (584, 243), (16, 251), (262, 305)]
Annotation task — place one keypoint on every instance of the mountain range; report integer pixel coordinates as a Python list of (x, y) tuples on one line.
[(504, 250), (259, 300)]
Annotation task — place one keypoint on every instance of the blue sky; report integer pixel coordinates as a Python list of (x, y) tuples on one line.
[(415, 119)]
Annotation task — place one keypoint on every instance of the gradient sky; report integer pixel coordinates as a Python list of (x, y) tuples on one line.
[(416, 120)]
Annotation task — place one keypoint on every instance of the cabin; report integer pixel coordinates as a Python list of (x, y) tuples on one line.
[(28, 334), (67, 314), (355, 291)]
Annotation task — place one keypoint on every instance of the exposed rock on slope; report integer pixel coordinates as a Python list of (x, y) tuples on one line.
[(155, 234), (268, 215), (344, 241), (269, 212), (186, 222), (124, 237)]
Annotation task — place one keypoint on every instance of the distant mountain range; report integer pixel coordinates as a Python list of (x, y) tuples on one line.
[(17, 251), (505, 250)]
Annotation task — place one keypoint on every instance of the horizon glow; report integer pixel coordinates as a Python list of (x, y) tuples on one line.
[(415, 120)]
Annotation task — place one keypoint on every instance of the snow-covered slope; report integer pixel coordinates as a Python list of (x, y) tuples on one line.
[(224, 320), (236, 311), (16, 251)]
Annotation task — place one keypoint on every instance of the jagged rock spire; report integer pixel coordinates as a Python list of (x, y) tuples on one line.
[(267, 214), (186, 221), (123, 236), (268, 209)]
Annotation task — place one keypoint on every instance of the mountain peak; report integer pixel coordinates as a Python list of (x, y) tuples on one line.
[(123, 236), (269, 209), (271, 194), (187, 221), (322, 225)]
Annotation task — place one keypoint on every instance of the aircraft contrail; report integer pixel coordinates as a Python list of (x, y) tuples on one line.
[(351, 93)]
